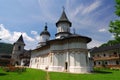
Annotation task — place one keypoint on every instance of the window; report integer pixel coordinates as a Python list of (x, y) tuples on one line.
[(94, 63), (117, 62), (115, 53), (98, 55), (104, 55), (19, 48), (106, 62), (99, 63)]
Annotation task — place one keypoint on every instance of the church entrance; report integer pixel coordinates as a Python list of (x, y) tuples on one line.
[(66, 66)]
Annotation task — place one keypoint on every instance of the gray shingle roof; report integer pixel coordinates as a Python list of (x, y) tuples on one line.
[(20, 39), (63, 18), (105, 48)]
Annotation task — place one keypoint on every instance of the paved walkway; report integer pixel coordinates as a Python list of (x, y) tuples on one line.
[(47, 76)]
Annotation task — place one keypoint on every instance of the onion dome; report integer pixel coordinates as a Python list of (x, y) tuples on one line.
[(45, 32)]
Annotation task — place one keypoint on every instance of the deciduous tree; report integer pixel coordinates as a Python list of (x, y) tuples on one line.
[(115, 25)]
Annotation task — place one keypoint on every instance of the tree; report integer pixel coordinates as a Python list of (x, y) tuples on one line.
[(115, 25), (117, 12)]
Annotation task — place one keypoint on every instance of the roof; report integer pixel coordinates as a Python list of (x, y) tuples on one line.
[(105, 48), (62, 33), (72, 36), (20, 39), (45, 31), (78, 36), (63, 18)]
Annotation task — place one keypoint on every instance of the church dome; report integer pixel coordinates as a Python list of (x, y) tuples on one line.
[(45, 32)]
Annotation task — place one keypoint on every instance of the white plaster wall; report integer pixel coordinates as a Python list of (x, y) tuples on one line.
[(44, 38), (78, 63), (58, 62), (63, 28)]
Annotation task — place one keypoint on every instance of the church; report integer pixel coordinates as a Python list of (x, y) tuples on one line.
[(66, 53)]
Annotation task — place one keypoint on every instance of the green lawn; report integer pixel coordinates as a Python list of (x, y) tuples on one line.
[(30, 74), (99, 75), (34, 74)]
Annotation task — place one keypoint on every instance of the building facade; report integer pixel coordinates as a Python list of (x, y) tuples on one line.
[(67, 52), (108, 56)]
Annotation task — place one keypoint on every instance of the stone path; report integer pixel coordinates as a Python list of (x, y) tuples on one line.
[(47, 76)]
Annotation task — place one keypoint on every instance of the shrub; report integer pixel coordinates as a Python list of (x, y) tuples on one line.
[(14, 69)]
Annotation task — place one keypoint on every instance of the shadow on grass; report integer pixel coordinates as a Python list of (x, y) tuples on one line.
[(103, 72), (2, 74)]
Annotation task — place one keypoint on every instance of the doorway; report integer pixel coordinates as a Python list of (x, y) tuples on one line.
[(66, 66)]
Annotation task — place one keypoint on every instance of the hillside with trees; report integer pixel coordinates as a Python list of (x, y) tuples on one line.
[(6, 48)]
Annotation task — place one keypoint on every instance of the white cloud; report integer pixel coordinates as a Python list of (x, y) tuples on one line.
[(94, 43), (11, 37), (36, 35), (102, 30), (47, 9), (91, 7), (4, 33), (85, 14), (34, 32), (27, 38)]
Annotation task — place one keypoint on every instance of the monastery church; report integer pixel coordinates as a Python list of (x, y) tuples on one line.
[(66, 53)]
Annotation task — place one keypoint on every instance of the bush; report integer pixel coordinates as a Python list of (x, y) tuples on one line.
[(14, 69)]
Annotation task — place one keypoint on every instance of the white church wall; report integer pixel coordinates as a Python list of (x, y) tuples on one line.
[(58, 62), (78, 63), (44, 38), (56, 47)]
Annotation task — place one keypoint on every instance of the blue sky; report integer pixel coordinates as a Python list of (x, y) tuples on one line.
[(89, 18)]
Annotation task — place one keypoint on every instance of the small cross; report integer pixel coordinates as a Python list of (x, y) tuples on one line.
[(46, 24), (63, 8)]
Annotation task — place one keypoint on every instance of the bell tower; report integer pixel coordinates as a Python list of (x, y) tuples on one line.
[(18, 48), (63, 26)]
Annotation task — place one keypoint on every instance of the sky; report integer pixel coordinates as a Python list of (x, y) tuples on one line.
[(89, 18)]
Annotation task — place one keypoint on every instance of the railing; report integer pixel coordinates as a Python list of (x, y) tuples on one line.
[(110, 57), (108, 66)]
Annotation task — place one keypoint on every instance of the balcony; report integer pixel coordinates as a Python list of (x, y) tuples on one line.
[(111, 57)]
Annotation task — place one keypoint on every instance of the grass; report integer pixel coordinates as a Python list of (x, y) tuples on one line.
[(30, 74), (34, 74), (98, 75)]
